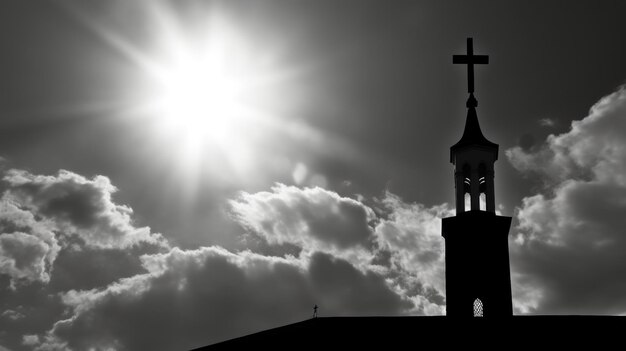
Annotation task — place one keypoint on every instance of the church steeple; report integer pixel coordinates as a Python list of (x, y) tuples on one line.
[(478, 280)]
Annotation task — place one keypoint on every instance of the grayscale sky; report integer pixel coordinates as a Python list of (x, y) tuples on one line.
[(176, 173)]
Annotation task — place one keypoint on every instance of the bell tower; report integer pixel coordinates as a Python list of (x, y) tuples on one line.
[(478, 278)]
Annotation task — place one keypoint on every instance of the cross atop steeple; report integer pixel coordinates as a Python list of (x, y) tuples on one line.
[(472, 135), (470, 60)]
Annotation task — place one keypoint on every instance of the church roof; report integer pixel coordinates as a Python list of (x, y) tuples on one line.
[(431, 333), (472, 135)]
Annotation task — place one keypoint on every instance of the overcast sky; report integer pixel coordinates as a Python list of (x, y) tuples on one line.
[(312, 169)]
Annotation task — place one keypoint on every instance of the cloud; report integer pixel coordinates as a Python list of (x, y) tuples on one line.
[(526, 142), (22, 256), (30, 340), (79, 206), (547, 122), (58, 233), (568, 250), (40, 215), (28, 247), (311, 218), (592, 149), (105, 289), (12, 315), (411, 234), (196, 297), (403, 242)]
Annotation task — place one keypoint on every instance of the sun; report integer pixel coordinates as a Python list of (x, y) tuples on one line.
[(216, 101), (204, 88), (200, 100), (212, 99), (207, 96)]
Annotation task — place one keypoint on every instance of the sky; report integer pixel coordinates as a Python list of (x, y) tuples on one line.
[(177, 173)]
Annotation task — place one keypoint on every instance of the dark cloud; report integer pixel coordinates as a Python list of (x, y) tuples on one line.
[(41, 214), (403, 241), (192, 298), (78, 206), (59, 233), (109, 284), (28, 246), (568, 250), (35, 303), (526, 142), (23, 256), (337, 285), (133, 297), (88, 268)]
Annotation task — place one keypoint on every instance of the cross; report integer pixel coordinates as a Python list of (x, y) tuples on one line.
[(470, 60)]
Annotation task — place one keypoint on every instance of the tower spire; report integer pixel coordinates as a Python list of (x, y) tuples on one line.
[(478, 280)]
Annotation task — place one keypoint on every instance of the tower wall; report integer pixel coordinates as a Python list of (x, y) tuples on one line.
[(477, 264)]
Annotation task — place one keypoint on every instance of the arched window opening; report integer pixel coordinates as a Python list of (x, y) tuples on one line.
[(468, 201), (478, 308), (467, 188), (482, 187)]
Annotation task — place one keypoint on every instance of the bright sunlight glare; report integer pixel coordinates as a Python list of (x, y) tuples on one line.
[(200, 100), (205, 95), (220, 100)]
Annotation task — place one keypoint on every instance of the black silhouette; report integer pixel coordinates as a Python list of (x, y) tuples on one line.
[(435, 332), (470, 60), (478, 281), (315, 311)]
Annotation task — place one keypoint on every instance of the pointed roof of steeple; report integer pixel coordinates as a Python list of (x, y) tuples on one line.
[(472, 135)]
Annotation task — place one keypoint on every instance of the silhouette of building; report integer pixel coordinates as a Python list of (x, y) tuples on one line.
[(478, 281), (435, 332)]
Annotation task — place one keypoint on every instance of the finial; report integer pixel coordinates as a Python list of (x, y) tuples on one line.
[(471, 101)]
